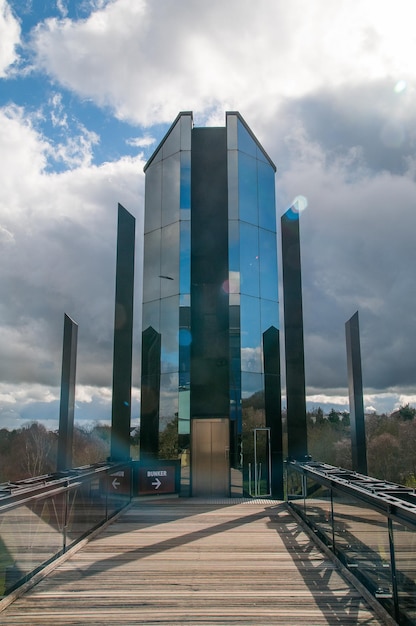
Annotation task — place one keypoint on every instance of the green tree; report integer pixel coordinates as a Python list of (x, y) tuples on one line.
[(407, 412), (168, 440), (333, 417)]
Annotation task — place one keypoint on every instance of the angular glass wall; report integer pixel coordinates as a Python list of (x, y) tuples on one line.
[(253, 298), (166, 296)]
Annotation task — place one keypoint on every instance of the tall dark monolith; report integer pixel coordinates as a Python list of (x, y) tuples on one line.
[(355, 388), (123, 337), (66, 413), (294, 345)]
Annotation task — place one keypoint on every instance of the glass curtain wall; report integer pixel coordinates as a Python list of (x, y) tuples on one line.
[(166, 294), (253, 294)]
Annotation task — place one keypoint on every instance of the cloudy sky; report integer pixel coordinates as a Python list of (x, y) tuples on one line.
[(89, 87)]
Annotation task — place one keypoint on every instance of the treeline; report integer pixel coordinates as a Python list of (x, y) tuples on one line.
[(32, 450), (391, 442)]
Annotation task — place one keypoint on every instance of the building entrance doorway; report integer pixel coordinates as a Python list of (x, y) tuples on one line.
[(210, 465), (261, 470)]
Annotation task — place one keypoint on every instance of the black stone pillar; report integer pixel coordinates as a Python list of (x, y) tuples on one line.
[(66, 413), (294, 347), (355, 388), (273, 407), (123, 337)]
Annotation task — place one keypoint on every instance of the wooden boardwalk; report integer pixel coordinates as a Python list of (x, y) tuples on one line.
[(196, 561)]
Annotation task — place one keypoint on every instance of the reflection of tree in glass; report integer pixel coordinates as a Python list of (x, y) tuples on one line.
[(168, 440), (253, 415)]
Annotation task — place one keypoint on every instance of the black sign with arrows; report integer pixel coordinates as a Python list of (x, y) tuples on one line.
[(154, 480)]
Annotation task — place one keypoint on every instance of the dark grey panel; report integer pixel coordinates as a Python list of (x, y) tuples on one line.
[(355, 388), (150, 394), (273, 407), (294, 345), (123, 337), (66, 413), (209, 274)]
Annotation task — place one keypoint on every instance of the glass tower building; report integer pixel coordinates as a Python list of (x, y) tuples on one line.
[(210, 351)]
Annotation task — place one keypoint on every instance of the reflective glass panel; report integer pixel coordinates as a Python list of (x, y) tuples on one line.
[(262, 157), (253, 416), (247, 188), (249, 260), (267, 203), (168, 408), (151, 265), (246, 142), (251, 342), (185, 258), (169, 329), (153, 197), (87, 508), (252, 384), (361, 538), (171, 189), (318, 508), (172, 143), (184, 425), (232, 167), (151, 315), (185, 191), (268, 264), (115, 489), (169, 268), (295, 487), (29, 535), (234, 257), (269, 314), (405, 555)]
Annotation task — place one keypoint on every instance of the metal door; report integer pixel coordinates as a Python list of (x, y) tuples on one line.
[(210, 457)]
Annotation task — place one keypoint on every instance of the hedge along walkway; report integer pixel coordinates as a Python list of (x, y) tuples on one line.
[(196, 561)]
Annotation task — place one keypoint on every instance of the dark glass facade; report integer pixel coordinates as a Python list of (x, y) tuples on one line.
[(210, 293)]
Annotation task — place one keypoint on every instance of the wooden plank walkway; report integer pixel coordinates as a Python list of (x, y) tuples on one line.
[(195, 561)]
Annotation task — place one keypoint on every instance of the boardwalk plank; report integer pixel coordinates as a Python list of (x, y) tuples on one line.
[(193, 561)]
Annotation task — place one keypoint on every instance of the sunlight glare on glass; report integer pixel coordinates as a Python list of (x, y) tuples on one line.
[(299, 204), (185, 337)]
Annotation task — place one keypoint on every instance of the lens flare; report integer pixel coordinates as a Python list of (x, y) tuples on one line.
[(400, 86), (299, 204)]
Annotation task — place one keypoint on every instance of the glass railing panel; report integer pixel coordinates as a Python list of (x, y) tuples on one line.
[(405, 557), (362, 542), (318, 509), (294, 485), (116, 488), (30, 535), (86, 509)]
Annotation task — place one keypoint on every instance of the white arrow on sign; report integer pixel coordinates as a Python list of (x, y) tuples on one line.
[(157, 483), (115, 483)]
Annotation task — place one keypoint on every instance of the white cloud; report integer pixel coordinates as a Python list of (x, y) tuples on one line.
[(141, 142), (9, 38), (166, 56), (60, 231), (12, 394), (62, 7), (323, 399)]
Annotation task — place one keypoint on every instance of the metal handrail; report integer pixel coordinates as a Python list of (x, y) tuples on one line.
[(23, 491), (29, 492), (394, 503), (385, 496)]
